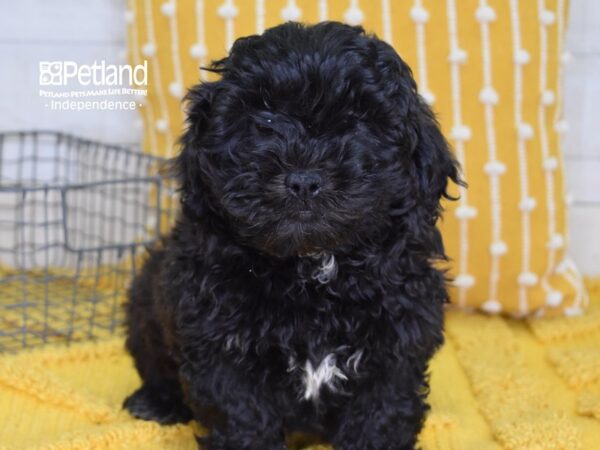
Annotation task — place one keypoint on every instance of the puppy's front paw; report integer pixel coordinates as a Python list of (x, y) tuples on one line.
[(163, 405)]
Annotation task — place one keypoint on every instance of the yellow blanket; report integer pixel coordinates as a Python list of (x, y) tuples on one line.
[(497, 383)]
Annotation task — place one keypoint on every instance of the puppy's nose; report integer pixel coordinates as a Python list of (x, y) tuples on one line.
[(304, 184)]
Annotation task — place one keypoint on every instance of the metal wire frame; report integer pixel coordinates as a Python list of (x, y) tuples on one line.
[(75, 217)]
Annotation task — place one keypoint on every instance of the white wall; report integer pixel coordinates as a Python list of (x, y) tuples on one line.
[(75, 30), (582, 143), (34, 30)]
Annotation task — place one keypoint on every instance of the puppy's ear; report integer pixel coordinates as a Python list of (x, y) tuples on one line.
[(188, 165), (199, 101), (434, 164), (424, 148)]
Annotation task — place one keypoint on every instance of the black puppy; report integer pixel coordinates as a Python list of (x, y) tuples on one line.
[(298, 288)]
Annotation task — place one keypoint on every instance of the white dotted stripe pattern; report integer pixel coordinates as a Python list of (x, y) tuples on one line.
[(148, 109), (546, 97), (558, 111), (260, 13), (494, 169), (386, 21), (524, 131), (199, 50), (323, 10), (571, 274), (559, 123), (228, 12), (149, 50), (169, 9), (420, 16), (460, 134)]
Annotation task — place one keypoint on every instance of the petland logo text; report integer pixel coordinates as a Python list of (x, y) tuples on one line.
[(61, 73), (69, 86)]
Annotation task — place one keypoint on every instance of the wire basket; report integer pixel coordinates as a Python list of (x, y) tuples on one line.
[(75, 218)]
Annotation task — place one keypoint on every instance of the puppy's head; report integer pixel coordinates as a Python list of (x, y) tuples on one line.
[(314, 136)]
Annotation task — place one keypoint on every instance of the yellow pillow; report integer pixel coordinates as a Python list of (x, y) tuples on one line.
[(490, 69)]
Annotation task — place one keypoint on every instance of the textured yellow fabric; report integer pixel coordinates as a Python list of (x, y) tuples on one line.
[(497, 383), (490, 69)]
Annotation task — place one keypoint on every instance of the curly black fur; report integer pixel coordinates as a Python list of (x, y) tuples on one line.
[(311, 175)]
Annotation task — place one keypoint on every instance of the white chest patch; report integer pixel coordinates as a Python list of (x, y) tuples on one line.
[(327, 270), (325, 374)]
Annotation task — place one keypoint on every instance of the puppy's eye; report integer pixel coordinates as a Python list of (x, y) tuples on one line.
[(265, 126)]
